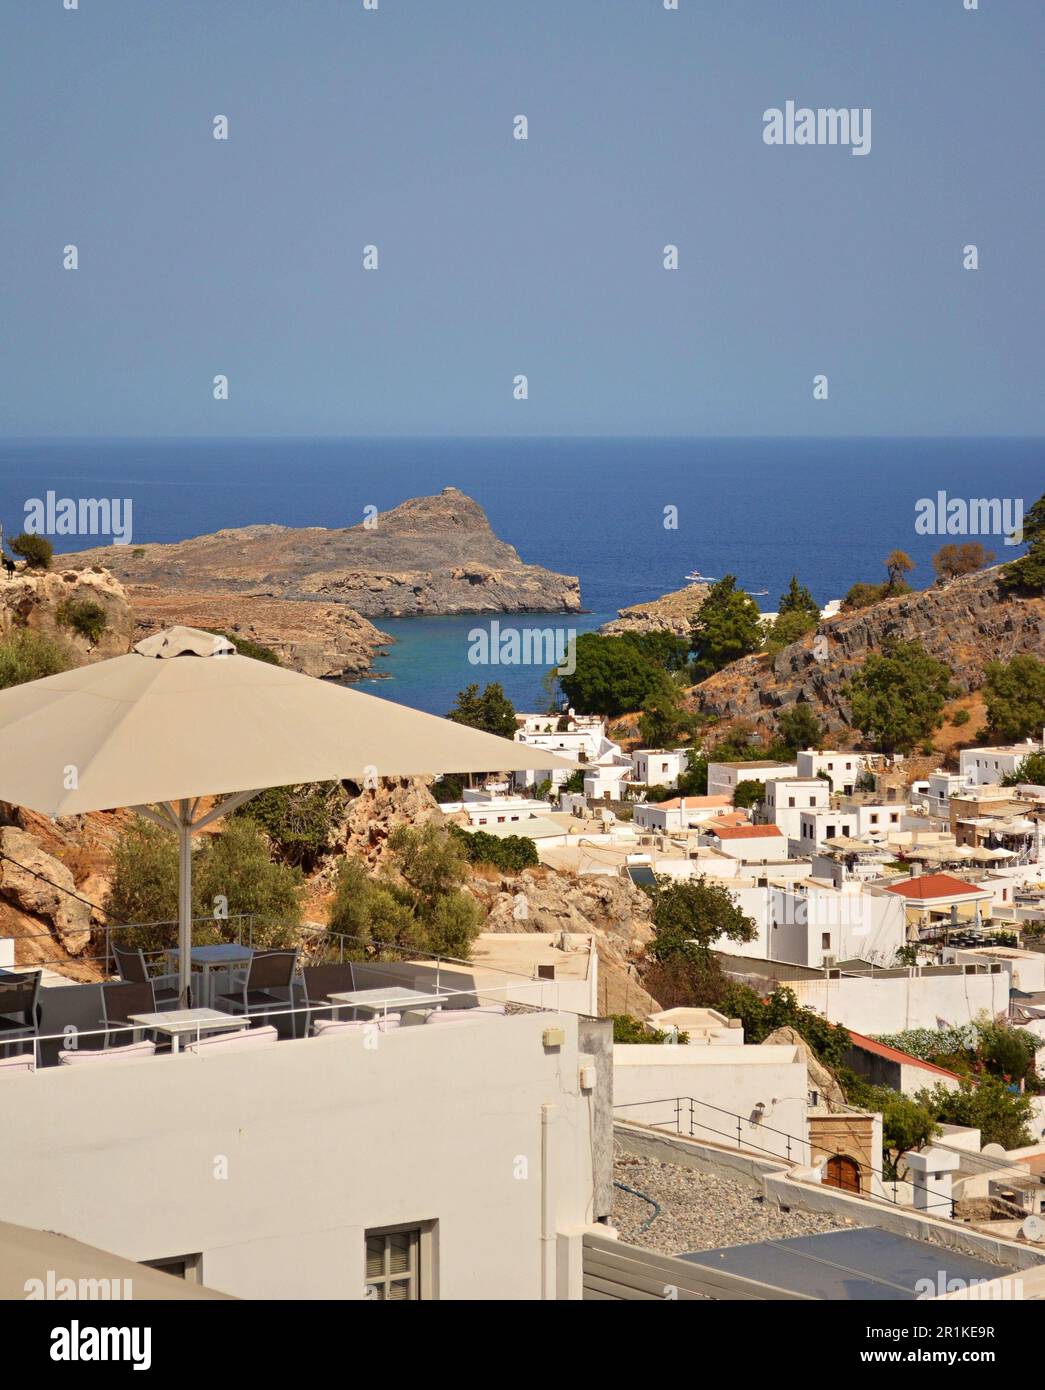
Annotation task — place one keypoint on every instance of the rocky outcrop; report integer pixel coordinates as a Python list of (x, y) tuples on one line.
[(672, 612), (618, 913), (46, 601), (370, 818), (329, 640), (42, 889), (429, 555), (965, 624)]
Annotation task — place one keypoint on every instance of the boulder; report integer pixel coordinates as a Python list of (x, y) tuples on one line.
[(41, 887), (821, 1079)]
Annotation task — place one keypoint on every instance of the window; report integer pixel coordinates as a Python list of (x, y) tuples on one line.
[(831, 832), (185, 1267), (825, 941), (398, 1264), (790, 800), (874, 817)]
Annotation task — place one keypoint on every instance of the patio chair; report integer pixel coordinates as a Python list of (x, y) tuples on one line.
[(19, 1010), (135, 971), (319, 981), (268, 971), (119, 1001)]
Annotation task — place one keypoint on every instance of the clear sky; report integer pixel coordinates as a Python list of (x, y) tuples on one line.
[(501, 257)]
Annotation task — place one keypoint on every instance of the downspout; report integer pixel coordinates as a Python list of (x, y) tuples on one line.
[(547, 1206)]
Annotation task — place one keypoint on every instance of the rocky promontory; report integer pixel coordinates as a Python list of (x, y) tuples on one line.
[(672, 612), (428, 556)]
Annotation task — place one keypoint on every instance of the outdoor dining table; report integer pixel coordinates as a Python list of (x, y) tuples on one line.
[(175, 1022), (223, 956), (394, 997)]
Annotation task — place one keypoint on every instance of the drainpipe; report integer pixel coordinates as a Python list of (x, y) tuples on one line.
[(547, 1206)]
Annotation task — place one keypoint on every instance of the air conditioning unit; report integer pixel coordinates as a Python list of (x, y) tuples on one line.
[(829, 960)]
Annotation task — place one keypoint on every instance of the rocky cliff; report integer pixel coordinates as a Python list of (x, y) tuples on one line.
[(429, 555), (42, 601), (672, 612), (965, 623)]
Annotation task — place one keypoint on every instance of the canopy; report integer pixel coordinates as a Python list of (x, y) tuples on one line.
[(184, 716)]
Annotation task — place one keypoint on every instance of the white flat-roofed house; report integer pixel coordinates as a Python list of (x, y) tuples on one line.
[(787, 797), (842, 770), (485, 810), (984, 766), (607, 781), (724, 778), (678, 813), (941, 787), (876, 820), (659, 767), (815, 827)]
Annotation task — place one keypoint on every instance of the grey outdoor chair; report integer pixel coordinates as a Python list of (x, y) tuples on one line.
[(135, 971), (19, 1010), (268, 971), (319, 982), (121, 1000)]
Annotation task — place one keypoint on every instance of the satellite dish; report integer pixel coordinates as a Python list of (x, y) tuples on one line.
[(993, 1151), (1033, 1229)]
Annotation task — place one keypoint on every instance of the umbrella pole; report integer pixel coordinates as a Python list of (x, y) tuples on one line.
[(184, 902)]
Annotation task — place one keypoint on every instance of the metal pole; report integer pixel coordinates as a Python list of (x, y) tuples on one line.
[(184, 902)]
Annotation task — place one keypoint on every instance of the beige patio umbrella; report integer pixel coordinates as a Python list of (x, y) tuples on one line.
[(183, 716)]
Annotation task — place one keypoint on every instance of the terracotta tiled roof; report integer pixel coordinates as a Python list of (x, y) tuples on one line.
[(746, 832), (927, 886), (693, 803), (893, 1054)]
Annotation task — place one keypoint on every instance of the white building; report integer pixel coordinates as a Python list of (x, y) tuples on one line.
[(842, 770), (724, 778), (787, 797), (814, 827), (658, 767), (876, 820), (679, 813), (485, 810), (607, 781), (348, 1166), (941, 787), (753, 844), (983, 766), (584, 741)]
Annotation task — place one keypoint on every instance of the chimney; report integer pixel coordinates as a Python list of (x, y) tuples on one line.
[(916, 869)]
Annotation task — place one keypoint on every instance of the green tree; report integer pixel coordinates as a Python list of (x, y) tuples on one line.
[(662, 648), (799, 728), (1014, 694), (509, 853), (787, 628), (694, 781), (613, 677), (36, 551), (689, 915), (798, 599), (491, 711), (1001, 1115), (748, 793), (29, 656), (663, 720), (1029, 769), (727, 626), (627, 1029), (1028, 572), (898, 695)]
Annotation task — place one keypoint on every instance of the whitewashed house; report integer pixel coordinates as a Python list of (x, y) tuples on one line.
[(787, 797), (983, 766), (724, 778), (816, 826), (842, 770), (680, 813), (658, 767)]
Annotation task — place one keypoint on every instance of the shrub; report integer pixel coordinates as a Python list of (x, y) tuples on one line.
[(960, 717), (509, 853), (36, 551), (299, 820), (245, 647), (627, 1029), (84, 615), (28, 656)]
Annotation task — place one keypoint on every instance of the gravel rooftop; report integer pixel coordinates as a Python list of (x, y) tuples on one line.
[(700, 1211)]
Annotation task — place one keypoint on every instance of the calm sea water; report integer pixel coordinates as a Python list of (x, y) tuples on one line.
[(763, 509)]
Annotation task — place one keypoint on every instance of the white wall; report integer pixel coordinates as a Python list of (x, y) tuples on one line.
[(322, 1138), (891, 1005), (726, 1083)]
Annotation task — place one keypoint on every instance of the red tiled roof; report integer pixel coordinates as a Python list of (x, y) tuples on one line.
[(893, 1054), (934, 886), (746, 832)]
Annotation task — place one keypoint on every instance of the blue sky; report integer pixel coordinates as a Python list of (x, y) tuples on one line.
[(500, 257)]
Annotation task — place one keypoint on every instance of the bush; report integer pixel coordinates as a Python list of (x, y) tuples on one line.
[(509, 853), (627, 1029), (36, 551), (299, 820), (960, 717), (245, 647), (29, 656), (84, 615)]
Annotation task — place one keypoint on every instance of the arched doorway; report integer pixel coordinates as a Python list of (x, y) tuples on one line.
[(842, 1171)]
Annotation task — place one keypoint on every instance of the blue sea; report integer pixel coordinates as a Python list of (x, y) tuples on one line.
[(827, 510)]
